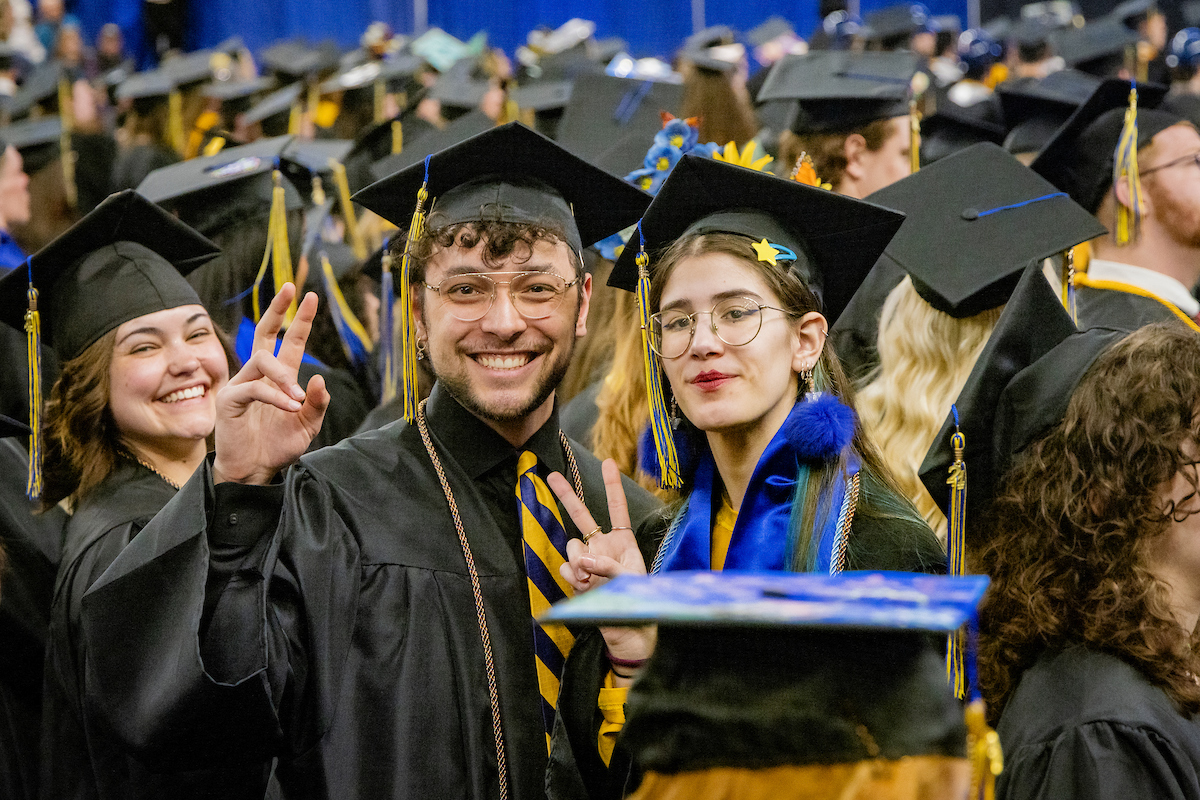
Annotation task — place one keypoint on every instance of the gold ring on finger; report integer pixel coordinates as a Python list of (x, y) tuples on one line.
[(588, 536)]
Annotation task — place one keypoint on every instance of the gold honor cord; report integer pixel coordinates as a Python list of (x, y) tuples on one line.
[(357, 243)]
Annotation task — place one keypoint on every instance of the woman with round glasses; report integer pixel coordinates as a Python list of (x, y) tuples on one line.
[(776, 473)]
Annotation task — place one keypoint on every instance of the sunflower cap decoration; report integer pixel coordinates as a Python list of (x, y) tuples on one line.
[(804, 172)]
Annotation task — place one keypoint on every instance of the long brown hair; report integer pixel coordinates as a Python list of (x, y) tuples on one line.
[(1070, 530), (725, 112), (82, 443), (828, 150), (880, 495)]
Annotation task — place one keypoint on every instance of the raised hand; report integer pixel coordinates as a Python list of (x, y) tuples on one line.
[(265, 420)]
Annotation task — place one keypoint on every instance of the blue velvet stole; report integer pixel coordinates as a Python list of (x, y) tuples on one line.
[(760, 538)]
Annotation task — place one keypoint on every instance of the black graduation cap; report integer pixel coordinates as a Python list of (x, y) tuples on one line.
[(457, 132), (759, 670), (296, 60), (835, 239), (227, 91), (1097, 48), (769, 30), (840, 90), (1079, 159), (40, 86), (191, 68), (37, 140), (1132, 13), (722, 58), (965, 241), (459, 87), (543, 96), (710, 37), (894, 22), (951, 128), (1031, 32), (153, 84), (278, 102), (610, 121), (518, 175), (125, 259), (1019, 388), (208, 192), (1035, 109), (302, 160)]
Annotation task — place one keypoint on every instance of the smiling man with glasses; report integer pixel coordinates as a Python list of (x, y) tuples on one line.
[(1148, 278)]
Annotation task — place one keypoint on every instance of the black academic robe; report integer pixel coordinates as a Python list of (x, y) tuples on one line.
[(80, 757), (329, 620), (855, 334), (1083, 724), (31, 544), (1123, 311)]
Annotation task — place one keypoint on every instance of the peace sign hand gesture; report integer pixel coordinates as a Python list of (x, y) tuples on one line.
[(265, 420)]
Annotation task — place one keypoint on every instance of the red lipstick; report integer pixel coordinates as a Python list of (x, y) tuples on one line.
[(710, 380)]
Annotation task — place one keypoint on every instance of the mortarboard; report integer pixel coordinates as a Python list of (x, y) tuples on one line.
[(965, 241), (951, 128), (1098, 48), (381, 140), (769, 30), (1035, 109), (547, 99), (295, 60), (125, 259), (37, 140), (457, 132), (710, 37), (1079, 159), (311, 166), (840, 90), (459, 87), (1132, 13), (830, 240), (228, 91), (192, 68), (609, 120), (722, 58), (898, 22), (153, 84), (277, 103), (40, 86), (510, 174), (759, 670)]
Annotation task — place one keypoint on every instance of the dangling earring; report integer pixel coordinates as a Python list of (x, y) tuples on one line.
[(806, 375), (674, 414), (420, 349)]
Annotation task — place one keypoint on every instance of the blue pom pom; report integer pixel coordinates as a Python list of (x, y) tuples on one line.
[(648, 453), (820, 427)]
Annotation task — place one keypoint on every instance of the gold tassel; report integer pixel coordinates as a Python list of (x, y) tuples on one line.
[(66, 112), (33, 344), (660, 426), (348, 326), (397, 137), (956, 544), (357, 243), (1125, 165), (1068, 283), (914, 125), (408, 327), (214, 146), (294, 116), (278, 253), (387, 330), (313, 100), (380, 93), (175, 121), (983, 751)]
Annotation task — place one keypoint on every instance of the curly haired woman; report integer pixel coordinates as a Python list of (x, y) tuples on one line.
[(1087, 649)]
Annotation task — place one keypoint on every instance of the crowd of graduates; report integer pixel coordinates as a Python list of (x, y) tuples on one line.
[(804, 417)]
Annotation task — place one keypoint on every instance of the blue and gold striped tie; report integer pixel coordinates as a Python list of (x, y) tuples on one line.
[(545, 550)]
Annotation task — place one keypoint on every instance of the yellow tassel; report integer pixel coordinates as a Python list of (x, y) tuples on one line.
[(956, 544), (67, 114), (1125, 165), (1068, 283), (387, 330), (914, 125), (313, 100), (294, 116), (175, 121), (214, 146), (983, 751), (660, 426), (397, 137), (33, 344), (278, 253), (380, 93), (408, 327), (347, 324), (357, 243)]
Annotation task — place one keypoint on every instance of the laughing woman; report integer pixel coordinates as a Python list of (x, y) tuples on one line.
[(126, 424), (776, 473)]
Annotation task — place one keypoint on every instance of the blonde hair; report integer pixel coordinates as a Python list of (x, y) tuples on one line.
[(925, 357)]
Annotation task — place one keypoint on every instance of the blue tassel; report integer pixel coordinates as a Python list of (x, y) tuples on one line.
[(820, 427)]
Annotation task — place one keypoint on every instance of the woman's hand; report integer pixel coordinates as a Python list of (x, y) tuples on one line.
[(265, 421)]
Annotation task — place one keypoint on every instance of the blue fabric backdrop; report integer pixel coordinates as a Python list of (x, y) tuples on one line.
[(652, 27)]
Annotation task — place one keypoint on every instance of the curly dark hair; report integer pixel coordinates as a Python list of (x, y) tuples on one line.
[(1071, 528)]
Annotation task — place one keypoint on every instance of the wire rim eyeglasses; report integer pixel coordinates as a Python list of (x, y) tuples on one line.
[(736, 321), (1192, 157), (535, 294)]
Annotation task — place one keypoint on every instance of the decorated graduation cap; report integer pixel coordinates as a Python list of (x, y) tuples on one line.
[(768, 669), (609, 120), (507, 174), (839, 91), (830, 240), (125, 259), (1034, 110), (965, 241), (1099, 144), (213, 192)]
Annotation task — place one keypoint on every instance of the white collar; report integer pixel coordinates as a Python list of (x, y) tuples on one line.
[(1161, 286)]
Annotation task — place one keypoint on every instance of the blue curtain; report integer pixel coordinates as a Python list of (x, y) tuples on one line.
[(652, 27)]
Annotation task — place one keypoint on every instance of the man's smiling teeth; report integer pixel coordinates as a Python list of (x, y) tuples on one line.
[(184, 394), (503, 362)]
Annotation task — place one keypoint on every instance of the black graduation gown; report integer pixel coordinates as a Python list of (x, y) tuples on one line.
[(347, 404), (855, 334), (1083, 724), (1123, 311), (134, 164), (329, 619), (80, 757), (32, 544)]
